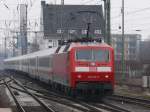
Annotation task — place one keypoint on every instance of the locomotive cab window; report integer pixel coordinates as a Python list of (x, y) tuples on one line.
[(84, 55), (101, 55), (92, 55)]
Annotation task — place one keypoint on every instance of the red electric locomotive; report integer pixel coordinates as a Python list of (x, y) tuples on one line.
[(73, 68), (89, 67)]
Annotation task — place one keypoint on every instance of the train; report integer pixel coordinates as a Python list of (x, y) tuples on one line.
[(74, 68)]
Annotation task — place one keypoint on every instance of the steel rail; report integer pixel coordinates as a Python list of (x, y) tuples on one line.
[(47, 94), (19, 107), (139, 101), (111, 107), (33, 96), (6, 82), (57, 99)]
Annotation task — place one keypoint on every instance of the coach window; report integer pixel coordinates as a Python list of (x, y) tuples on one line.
[(13, 63), (24, 62), (32, 62), (44, 61)]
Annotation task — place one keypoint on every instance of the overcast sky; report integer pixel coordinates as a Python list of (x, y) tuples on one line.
[(137, 16), (137, 13)]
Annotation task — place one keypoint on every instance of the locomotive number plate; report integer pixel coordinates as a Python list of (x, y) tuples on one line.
[(93, 76), (93, 69)]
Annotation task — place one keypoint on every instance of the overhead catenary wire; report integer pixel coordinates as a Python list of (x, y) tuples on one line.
[(147, 23), (87, 2), (96, 2), (133, 12), (135, 19)]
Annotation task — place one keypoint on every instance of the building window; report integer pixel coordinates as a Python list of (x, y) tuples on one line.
[(132, 44), (72, 31), (118, 57), (55, 43), (119, 39), (132, 57), (119, 45), (114, 39), (132, 39), (118, 51), (59, 31), (132, 51), (97, 32), (84, 32)]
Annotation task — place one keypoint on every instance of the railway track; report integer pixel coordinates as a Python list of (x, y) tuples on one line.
[(110, 107), (103, 105), (74, 103), (18, 103), (98, 106), (70, 102), (133, 100), (62, 100), (52, 97)]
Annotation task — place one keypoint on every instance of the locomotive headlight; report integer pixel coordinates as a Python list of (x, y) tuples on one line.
[(106, 76), (79, 76)]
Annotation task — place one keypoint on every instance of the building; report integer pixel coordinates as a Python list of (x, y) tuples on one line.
[(145, 51), (131, 46), (132, 66), (61, 22), (145, 56)]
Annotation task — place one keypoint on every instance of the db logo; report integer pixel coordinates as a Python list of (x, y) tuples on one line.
[(93, 69), (92, 64)]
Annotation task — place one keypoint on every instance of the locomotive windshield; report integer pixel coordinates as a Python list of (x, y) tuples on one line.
[(101, 55), (92, 55), (84, 55)]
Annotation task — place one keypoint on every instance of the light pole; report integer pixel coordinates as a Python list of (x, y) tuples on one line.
[(123, 40), (107, 34), (5, 48), (62, 2)]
